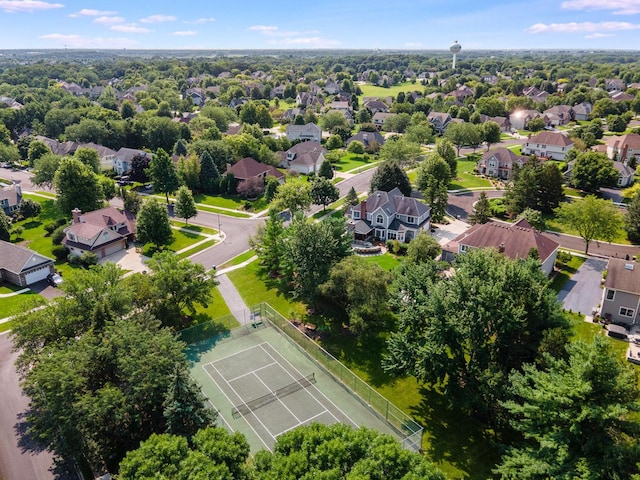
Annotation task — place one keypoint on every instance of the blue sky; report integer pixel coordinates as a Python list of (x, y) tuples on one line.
[(351, 24)]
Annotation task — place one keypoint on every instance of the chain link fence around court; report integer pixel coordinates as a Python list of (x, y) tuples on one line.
[(263, 314)]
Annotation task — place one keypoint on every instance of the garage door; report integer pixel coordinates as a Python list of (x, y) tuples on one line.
[(116, 247), (37, 275)]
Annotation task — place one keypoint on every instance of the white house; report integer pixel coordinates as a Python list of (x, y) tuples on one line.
[(623, 147), (520, 118), (310, 131), (389, 216), (551, 145), (305, 157)]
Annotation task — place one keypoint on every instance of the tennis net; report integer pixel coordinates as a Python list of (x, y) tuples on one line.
[(244, 408)]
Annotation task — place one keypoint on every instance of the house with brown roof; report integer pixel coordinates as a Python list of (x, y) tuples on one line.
[(103, 232), (623, 147), (621, 295), (515, 240), (249, 168), (551, 145), (305, 157), (499, 163), (11, 198), (21, 266), (389, 216)]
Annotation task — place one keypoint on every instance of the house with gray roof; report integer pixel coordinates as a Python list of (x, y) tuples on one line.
[(11, 198), (379, 118), (372, 141), (310, 131), (21, 266), (103, 232), (124, 157), (559, 115), (514, 240), (625, 174), (582, 111), (621, 295), (439, 120), (499, 163), (389, 216), (305, 157)]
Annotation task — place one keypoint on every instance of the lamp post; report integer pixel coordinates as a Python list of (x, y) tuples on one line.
[(219, 225)]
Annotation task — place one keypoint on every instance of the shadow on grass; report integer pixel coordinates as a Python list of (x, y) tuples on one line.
[(454, 438)]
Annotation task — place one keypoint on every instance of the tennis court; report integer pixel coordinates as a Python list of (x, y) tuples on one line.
[(270, 394), (264, 383)]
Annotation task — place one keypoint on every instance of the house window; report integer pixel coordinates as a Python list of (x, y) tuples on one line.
[(463, 248), (411, 219), (626, 312), (379, 219), (611, 294), (391, 235), (356, 214), (544, 146)]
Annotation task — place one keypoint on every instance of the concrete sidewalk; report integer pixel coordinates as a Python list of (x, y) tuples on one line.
[(233, 299)]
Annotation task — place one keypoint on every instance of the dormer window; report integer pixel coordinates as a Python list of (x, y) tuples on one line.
[(379, 219), (356, 214), (411, 219)]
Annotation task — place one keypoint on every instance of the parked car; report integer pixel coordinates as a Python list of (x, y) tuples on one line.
[(54, 279)]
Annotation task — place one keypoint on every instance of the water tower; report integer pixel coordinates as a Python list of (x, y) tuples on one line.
[(455, 49)]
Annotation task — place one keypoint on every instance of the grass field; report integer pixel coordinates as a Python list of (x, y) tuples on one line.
[(239, 259), (351, 161), (181, 239), (230, 213), (217, 308), (566, 272), (195, 228), (375, 91), (227, 201), (554, 225), (196, 249), (386, 261), (466, 178), (10, 306)]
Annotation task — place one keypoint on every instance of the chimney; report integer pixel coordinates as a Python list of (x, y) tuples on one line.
[(17, 188), (363, 210), (76, 215), (501, 248)]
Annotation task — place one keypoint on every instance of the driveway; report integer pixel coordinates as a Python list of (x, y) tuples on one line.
[(129, 260), (445, 233), (582, 293)]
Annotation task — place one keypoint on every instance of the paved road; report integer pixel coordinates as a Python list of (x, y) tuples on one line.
[(582, 292), (16, 461)]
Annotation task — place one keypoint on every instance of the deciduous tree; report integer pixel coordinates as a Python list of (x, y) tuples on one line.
[(162, 172), (323, 192), (632, 220), (88, 156), (593, 218), (423, 248), (30, 208), (592, 170), (390, 175), (152, 223), (77, 187), (294, 195), (185, 205)]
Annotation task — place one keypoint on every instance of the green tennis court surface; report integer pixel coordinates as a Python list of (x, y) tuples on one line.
[(263, 384)]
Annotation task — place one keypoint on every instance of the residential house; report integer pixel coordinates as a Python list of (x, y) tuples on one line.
[(379, 118), (520, 118), (372, 141), (308, 99), (10, 103), (621, 295), (439, 120), (551, 145), (277, 92), (611, 84), (623, 147), (305, 157), (106, 155), (499, 163), (197, 95), (249, 168), (331, 87), (625, 174), (559, 115), (21, 266), (291, 113), (535, 94), (59, 148), (461, 93), (11, 198), (347, 114), (385, 100), (582, 111), (103, 232), (620, 96), (376, 106), (389, 216), (514, 240), (310, 131), (503, 122), (124, 157)]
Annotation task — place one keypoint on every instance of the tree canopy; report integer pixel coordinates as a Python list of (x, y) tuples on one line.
[(593, 170), (390, 175), (163, 173), (77, 186), (152, 223)]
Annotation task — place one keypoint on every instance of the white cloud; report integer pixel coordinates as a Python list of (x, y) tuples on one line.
[(108, 20), (263, 28), (88, 12), (315, 42), (76, 41), (599, 35), (130, 28), (185, 33), (158, 19), (199, 21), (584, 27), (30, 6), (618, 7)]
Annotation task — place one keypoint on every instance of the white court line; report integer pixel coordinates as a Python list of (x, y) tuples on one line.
[(252, 372), (236, 353), (307, 420), (243, 417), (281, 402), (317, 389)]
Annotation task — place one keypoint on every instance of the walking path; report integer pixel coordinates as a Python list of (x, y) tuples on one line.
[(13, 294), (233, 299)]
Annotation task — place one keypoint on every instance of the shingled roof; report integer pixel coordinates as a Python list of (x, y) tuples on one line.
[(17, 259), (623, 275)]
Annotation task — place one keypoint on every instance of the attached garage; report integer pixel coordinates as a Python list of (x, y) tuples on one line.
[(36, 275), (21, 266)]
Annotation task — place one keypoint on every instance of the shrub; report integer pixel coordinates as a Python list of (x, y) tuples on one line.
[(30, 208), (60, 252), (50, 227), (75, 260), (57, 235), (88, 258), (60, 222)]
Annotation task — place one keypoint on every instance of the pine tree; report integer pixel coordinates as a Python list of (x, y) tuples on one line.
[(209, 174), (481, 210), (351, 200)]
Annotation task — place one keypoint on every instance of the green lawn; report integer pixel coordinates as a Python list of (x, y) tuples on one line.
[(350, 161), (466, 178), (585, 331), (10, 306), (9, 288), (230, 213), (243, 257), (554, 225), (181, 240), (5, 326), (195, 228), (386, 261), (566, 272), (375, 91), (196, 249), (217, 308), (517, 149), (228, 201), (255, 286)]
